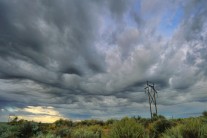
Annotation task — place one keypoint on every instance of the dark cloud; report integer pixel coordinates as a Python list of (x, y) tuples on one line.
[(51, 32)]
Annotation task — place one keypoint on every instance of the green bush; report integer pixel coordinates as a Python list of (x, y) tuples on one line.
[(48, 135), (159, 127), (157, 117), (63, 132), (90, 122), (174, 132), (28, 129), (19, 130), (203, 131), (86, 133), (110, 121), (191, 128), (62, 122), (145, 122), (9, 131), (205, 113), (127, 128)]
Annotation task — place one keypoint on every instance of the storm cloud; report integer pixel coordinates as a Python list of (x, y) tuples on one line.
[(91, 59)]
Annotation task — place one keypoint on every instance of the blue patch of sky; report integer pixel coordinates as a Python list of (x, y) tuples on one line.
[(187, 114), (128, 18), (169, 22), (129, 21), (137, 6), (79, 116)]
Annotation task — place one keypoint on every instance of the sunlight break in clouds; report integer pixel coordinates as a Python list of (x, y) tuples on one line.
[(41, 114), (41, 110), (41, 118)]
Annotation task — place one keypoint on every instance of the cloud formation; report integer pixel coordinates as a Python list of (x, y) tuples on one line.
[(91, 59)]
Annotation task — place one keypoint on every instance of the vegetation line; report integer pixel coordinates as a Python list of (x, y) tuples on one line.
[(135, 127)]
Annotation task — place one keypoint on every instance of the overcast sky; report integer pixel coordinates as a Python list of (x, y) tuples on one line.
[(83, 59)]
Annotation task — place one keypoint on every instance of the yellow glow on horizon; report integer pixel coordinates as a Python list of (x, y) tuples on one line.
[(41, 110), (45, 114), (40, 118)]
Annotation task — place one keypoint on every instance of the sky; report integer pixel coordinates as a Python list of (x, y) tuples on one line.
[(90, 59)]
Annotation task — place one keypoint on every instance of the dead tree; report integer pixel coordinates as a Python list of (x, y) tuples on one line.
[(152, 94)]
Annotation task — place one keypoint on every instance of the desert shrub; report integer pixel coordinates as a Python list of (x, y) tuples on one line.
[(137, 117), (174, 132), (48, 135), (62, 122), (25, 130), (63, 132), (205, 113), (157, 117), (14, 121), (90, 122), (191, 128), (145, 122), (159, 127), (43, 128), (85, 132), (110, 121), (195, 128), (9, 131), (28, 129), (127, 128), (203, 131)]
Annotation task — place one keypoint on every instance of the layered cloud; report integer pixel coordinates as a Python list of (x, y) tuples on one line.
[(91, 59)]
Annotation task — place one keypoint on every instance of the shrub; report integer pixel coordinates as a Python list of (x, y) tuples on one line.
[(205, 113), (203, 131), (156, 117), (191, 128), (145, 122), (110, 121), (90, 122), (28, 129), (174, 132), (127, 128), (9, 131), (14, 121), (48, 135), (63, 132), (86, 133), (62, 122), (159, 127)]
